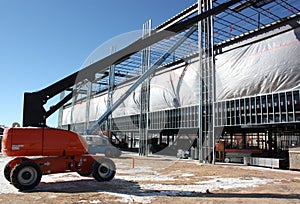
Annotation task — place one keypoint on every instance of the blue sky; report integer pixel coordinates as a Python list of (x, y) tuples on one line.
[(42, 42)]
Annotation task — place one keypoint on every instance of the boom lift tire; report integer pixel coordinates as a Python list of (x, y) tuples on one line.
[(84, 174), (26, 175), (7, 171), (104, 169)]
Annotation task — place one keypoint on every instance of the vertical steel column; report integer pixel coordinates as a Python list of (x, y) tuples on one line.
[(110, 92), (208, 82), (207, 85), (72, 123), (293, 106), (212, 90), (87, 105), (200, 110), (60, 112), (145, 94)]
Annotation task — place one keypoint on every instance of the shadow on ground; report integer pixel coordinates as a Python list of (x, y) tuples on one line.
[(120, 186)]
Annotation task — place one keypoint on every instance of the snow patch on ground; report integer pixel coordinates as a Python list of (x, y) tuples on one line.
[(187, 175), (213, 184), (82, 201), (125, 198), (229, 183), (95, 201), (135, 170), (146, 177), (72, 176)]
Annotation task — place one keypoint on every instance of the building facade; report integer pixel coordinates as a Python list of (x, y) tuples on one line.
[(244, 90)]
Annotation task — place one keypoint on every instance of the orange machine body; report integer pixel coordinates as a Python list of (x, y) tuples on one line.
[(42, 141), (39, 151)]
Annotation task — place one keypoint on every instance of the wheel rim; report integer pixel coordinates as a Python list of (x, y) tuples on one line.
[(27, 176), (104, 170)]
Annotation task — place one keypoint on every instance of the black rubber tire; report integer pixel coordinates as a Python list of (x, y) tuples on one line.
[(84, 174), (26, 175), (7, 171), (109, 152), (104, 169)]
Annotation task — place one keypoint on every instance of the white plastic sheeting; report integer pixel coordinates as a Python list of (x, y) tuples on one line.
[(131, 105), (171, 89), (97, 107), (267, 66), (77, 113), (176, 88), (66, 116)]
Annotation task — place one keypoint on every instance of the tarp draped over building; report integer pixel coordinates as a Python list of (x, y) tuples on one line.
[(267, 66)]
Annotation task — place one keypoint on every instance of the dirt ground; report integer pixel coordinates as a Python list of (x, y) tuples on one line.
[(157, 179)]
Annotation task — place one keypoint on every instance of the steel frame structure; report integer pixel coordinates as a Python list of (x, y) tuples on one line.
[(220, 23)]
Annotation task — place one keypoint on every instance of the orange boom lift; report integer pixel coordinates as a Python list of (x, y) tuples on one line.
[(52, 151)]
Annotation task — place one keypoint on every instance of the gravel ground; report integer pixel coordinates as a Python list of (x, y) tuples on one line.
[(157, 179)]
